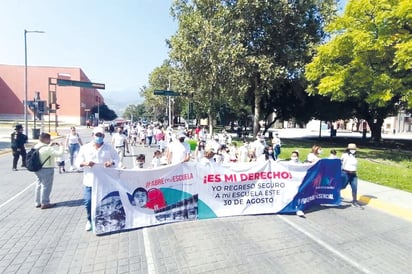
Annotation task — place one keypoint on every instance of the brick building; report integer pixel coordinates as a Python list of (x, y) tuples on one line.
[(74, 102)]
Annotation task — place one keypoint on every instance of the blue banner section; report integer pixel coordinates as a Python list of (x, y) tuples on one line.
[(321, 185)]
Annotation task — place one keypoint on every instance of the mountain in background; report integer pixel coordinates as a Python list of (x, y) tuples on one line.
[(118, 101)]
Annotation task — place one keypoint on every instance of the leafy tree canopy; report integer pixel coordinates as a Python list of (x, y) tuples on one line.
[(367, 61)]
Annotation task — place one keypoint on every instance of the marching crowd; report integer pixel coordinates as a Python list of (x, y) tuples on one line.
[(172, 147)]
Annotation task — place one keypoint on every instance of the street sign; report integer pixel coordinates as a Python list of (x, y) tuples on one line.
[(64, 82), (166, 93)]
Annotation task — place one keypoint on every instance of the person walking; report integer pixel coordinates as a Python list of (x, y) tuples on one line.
[(349, 172), (92, 153), (276, 143), (119, 141), (178, 151), (73, 143), (48, 152), (18, 139)]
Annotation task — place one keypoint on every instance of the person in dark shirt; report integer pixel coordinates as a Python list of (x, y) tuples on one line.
[(18, 139)]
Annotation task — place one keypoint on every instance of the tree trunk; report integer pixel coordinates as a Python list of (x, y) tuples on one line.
[(376, 129), (256, 115)]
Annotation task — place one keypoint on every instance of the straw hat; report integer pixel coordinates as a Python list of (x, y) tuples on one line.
[(351, 146)]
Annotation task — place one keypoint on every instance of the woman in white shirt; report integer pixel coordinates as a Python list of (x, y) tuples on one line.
[(73, 143), (314, 155), (349, 168)]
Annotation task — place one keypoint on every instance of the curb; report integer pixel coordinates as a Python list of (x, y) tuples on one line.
[(387, 207)]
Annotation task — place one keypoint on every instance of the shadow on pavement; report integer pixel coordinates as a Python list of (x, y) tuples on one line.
[(71, 203)]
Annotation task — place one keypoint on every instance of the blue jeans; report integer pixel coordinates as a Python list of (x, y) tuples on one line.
[(73, 150), (352, 179), (87, 195)]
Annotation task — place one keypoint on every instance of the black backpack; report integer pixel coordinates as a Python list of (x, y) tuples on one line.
[(33, 160)]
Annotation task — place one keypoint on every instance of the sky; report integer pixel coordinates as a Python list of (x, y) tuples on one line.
[(118, 43)]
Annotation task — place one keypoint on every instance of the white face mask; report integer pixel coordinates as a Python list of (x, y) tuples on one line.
[(353, 151), (294, 159), (320, 151)]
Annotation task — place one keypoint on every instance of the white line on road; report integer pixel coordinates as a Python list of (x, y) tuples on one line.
[(15, 196), (325, 245), (151, 268)]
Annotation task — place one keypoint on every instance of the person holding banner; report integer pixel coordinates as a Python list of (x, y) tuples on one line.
[(97, 152), (314, 155), (349, 168)]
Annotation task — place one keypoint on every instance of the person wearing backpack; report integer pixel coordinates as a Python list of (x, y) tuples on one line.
[(45, 176)]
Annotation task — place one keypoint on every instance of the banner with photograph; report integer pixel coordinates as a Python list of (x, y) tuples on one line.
[(126, 199)]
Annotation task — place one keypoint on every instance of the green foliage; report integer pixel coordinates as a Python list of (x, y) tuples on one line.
[(367, 61), (105, 113), (136, 112), (243, 52)]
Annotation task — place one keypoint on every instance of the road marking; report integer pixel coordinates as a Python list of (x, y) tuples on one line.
[(15, 196), (326, 246), (151, 268)]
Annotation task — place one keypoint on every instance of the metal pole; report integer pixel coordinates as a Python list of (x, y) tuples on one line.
[(25, 84), (169, 105), (25, 77)]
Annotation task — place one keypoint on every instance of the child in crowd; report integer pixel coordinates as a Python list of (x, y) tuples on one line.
[(156, 159), (333, 154), (60, 163), (140, 161)]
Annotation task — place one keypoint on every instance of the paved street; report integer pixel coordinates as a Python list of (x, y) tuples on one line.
[(328, 240)]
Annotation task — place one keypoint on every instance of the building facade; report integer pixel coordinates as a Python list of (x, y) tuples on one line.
[(74, 103)]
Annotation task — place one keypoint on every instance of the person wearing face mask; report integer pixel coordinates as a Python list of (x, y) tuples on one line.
[(140, 160), (314, 155), (96, 152), (349, 168), (294, 157)]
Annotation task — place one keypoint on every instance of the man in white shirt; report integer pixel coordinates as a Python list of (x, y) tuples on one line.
[(95, 153), (120, 143), (178, 151)]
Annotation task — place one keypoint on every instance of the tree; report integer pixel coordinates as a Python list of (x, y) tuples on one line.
[(277, 39), (367, 62), (105, 113), (230, 50), (135, 112), (205, 56)]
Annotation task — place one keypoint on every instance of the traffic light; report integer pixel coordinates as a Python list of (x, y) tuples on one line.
[(57, 106)]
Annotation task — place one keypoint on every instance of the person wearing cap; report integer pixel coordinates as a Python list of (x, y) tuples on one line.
[(178, 151), (349, 174), (18, 139), (96, 152), (45, 176)]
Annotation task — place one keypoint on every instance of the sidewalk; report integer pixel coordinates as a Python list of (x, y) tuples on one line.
[(393, 201)]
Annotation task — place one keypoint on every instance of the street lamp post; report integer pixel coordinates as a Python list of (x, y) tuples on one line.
[(25, 77)]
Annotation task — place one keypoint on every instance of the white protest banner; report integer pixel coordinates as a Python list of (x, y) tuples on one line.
[(126, 199)]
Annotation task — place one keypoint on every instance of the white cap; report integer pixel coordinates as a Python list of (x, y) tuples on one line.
[(98, 129)]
